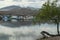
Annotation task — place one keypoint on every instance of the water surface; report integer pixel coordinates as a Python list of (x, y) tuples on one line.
[(25, 32)]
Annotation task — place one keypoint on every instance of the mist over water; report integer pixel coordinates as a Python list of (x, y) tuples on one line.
[(26, 32)]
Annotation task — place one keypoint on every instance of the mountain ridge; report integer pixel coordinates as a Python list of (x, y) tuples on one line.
[(12, 7)]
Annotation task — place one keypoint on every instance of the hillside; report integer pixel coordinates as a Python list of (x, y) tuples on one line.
[(18, 10)]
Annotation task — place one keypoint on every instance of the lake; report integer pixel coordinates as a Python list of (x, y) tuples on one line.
[(26, 32)]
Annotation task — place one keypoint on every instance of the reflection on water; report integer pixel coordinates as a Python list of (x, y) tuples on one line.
[(25, 32), (4, 36)]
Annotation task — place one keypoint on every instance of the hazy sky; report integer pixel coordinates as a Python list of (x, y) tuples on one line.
[(22, 3)]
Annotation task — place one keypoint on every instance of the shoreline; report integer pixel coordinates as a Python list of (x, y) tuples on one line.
[(50, 38)]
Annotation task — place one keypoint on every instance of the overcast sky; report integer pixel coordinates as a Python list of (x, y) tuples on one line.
[(22, 3)]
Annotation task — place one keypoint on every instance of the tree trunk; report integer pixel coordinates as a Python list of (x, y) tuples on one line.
[(58, 28), (58, 25)]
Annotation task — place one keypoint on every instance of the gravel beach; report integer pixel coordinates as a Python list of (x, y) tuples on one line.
[(52, 38)]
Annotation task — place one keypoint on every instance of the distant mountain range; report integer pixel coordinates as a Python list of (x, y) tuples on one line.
[(12, 7), (8, 8), (18, 10)]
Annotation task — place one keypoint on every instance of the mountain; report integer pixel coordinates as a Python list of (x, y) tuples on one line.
[(8, 8), (17, 10), (12, 7)]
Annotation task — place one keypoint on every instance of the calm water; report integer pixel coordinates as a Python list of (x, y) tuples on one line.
[(25, 32)]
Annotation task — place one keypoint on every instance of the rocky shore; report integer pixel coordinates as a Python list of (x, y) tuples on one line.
[(51, 38)]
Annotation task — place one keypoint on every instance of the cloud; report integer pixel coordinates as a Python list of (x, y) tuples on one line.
[(31, 3), (36, 5), (28, 0), (17, 0), (31, 0), (1, 0), (22, 3)]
